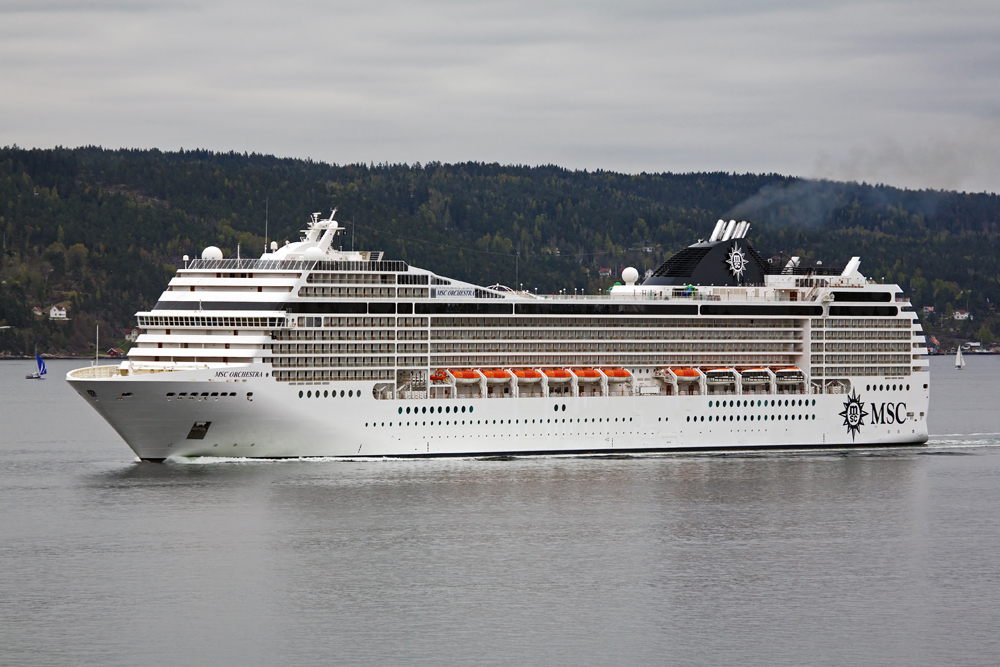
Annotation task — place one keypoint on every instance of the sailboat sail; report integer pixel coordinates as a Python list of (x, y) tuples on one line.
[(959, 359), (41, 364)]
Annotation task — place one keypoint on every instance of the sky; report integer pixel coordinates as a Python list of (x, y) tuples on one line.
[(902, 93)]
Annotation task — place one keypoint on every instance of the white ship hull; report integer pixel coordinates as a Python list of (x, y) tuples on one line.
[(266, 419)]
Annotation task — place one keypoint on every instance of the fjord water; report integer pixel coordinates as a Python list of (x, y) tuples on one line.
[(880, 557)]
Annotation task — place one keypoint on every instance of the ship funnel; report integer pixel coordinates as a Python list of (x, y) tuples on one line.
[(730, 228), (717, 232)]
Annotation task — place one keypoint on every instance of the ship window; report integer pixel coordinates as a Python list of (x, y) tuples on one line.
[(424, 410), (204, 393), (463, 408), (564, 407), (556, 408), (814, 417), (710, 418), (689, 418), (439, 409), (407, 411), (351, 393), (170, 393), (309, 394), (447, 409), (215, 393), (325, 393), (470, 408), (341, 393), (907, 387), (710, 404), (401, 411)]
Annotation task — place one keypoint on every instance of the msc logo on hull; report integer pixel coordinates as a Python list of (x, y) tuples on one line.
[(854, 414)]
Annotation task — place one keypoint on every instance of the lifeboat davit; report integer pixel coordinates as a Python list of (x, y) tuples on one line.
[(616, 374), (587, 374), (686, 374), (557, 375), (527, 375), (495, 375), (464, 375)]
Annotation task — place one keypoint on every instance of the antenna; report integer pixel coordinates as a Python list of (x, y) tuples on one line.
[(265, 224), (97, 347), (352, 234)]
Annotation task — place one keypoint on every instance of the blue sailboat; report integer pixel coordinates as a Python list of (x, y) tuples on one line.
[(37, 375)]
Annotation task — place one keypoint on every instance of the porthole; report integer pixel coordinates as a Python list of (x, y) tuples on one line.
[(564, 407), (630, 419), (814, 417), (772, 402), (548, 421), (880, 388), (300, 394), (383, 423), (407, 411), (710, 404), (532, 421), (325, 394), (447, 408), (366, 424), (309, 394), (730, 404), (907, 387), (470, 408), (351, 393), (710, 418), (439, 409), (463, 408), (341, 393), (689, 418), (814, 401), (868, 387), (401, 411), (703, 417)]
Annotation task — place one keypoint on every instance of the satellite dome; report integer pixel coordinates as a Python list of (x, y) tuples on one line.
[(630, 275), (211, 252)]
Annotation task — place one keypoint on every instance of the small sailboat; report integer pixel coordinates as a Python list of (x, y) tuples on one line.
[(959, 360), (37, 375)]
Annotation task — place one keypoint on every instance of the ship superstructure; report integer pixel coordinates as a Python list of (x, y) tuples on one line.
[(316, 351)]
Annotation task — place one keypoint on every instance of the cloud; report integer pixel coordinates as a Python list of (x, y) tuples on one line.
[(762, 86)]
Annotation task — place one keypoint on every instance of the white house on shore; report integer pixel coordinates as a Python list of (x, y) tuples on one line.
[(57, 313)]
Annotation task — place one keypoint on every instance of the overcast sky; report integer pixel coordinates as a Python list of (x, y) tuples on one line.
[(903, 93)]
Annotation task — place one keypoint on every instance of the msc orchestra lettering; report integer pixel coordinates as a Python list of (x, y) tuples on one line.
[(314, 351)]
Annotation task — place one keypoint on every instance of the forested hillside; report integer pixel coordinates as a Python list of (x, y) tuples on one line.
[(101, 231)]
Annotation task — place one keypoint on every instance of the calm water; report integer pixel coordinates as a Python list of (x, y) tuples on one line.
[(868, 558)]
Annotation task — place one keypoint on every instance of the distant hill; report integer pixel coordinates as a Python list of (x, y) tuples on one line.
[(103, 230)]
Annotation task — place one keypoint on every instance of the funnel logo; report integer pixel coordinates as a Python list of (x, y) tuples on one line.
[(737, 262), (854, 414)]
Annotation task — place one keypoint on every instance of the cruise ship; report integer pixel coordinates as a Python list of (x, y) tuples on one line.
[(312, 351)]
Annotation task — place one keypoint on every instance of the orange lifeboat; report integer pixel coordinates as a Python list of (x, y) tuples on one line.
[(754, 376), (616, 374), (495, 375), (686, 374), (557, 375), (464, 375), (439, 376), (526, 375), (587, 374), (789, 375)]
